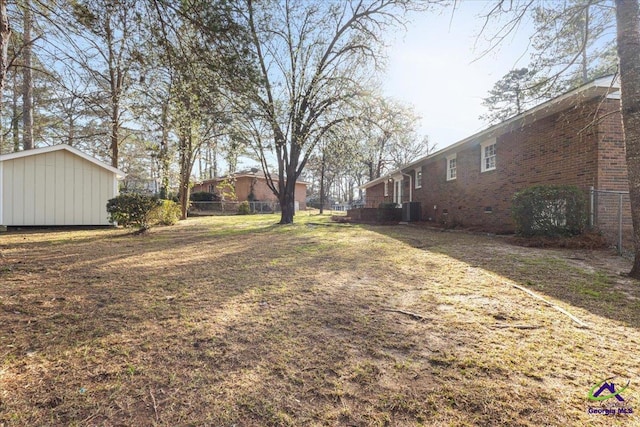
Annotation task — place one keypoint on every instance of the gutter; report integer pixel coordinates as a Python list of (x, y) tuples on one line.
[(606, 84)]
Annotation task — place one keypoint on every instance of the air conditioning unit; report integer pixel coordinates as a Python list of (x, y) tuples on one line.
[(411, 211)]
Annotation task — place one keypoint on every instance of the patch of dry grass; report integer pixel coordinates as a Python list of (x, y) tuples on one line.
[(236, 321)]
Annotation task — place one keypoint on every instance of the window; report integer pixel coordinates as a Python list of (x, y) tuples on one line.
[(386, 188), (419, 178), (451, 167), (488, 153)]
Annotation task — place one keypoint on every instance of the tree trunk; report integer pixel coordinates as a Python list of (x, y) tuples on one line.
[(163, 155), (186, 145), (628, 37), (213, 173), (5, 35), (287, 207), (114, 135), (27, 81), (287, 198), (184, 179), (15, 115), (185, 171), (322, 185), (71, 133), (584, 59), (184, 197), (115, 88)]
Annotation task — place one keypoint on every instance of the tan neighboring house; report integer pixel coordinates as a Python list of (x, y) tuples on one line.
[(55, 186), (251, 185)]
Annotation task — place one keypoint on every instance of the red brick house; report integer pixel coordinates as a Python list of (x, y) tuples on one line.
[(575, 139), (252, 182)]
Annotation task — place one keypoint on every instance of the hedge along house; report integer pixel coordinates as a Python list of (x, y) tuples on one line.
[(55, 186), (574, 139)]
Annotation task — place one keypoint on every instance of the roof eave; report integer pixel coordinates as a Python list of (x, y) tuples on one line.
[(598, 87), (26, 153)]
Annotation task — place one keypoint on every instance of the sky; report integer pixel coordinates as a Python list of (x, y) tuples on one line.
[(434, 68)]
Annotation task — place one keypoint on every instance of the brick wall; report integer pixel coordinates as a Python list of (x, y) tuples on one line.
[(564, 148), (612, 171), (261, 190), (375, 195), (301, 195)]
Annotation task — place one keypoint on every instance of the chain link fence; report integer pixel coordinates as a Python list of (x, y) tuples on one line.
[(217, 208), (610, 213), (374, 202)]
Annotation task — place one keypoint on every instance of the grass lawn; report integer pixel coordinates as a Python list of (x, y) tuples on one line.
[(235, 321)]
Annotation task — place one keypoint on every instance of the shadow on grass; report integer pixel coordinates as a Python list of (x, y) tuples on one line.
[(573, 276), (183, 326)]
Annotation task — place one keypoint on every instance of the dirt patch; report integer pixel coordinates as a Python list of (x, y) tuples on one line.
[(237, 321)]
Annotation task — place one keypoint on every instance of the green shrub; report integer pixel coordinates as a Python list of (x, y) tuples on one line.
[(243, 208), (388, 205), (131, 210), (167, 213), (389, 212), (549, 210)]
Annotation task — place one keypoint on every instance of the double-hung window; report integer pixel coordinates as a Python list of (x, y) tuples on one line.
[(452, 167), (488, 156), (418, 178)]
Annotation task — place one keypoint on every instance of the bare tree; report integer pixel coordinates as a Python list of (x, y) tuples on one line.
[(314, 59), (388, 136)]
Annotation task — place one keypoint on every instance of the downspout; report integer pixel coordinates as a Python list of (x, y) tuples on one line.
[(2, 228)]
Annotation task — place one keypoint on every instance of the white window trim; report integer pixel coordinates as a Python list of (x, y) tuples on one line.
[(386, 188), (485, 144), (452, 157), (397, 188), (418, 183)]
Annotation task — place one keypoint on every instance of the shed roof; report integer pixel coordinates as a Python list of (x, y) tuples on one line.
[(18, 154)]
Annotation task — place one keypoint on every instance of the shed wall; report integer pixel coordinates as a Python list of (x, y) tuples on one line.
[(55, 188)]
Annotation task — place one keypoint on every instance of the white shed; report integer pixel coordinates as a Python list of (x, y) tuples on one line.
[(57, 185)]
